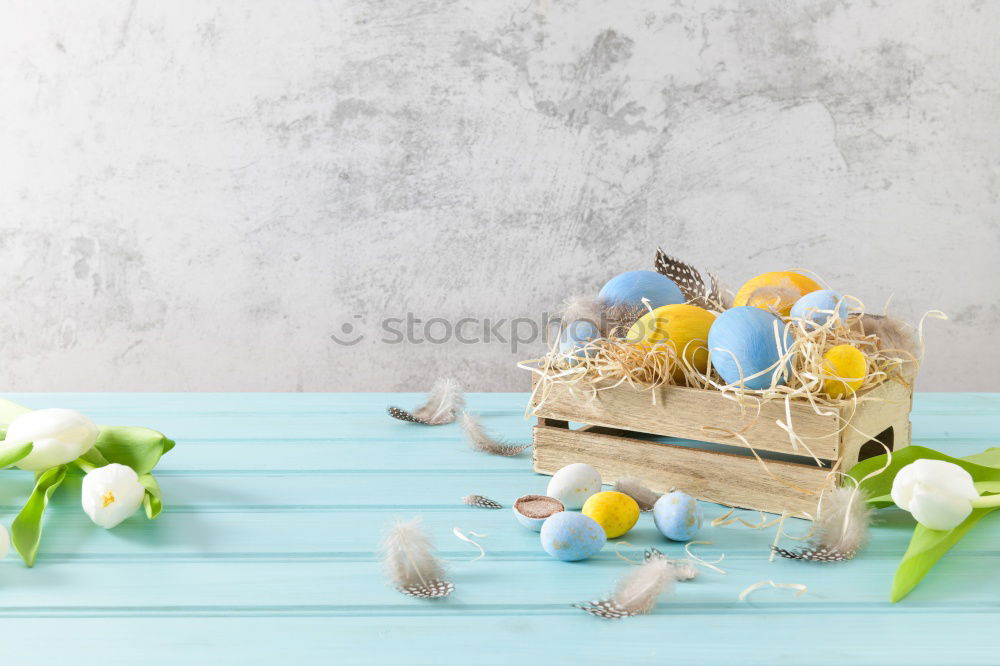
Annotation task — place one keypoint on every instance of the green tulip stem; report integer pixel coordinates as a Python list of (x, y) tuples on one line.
[(986, 502)]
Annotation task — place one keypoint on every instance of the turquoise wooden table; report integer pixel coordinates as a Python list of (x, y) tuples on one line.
[(275, 504)]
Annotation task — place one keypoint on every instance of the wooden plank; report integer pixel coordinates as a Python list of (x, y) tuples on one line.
[(712, 476), (678, 411)]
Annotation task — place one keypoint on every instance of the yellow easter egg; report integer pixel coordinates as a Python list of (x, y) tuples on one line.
[(778, 290), (849, 366), (615, 512), (683, 327)]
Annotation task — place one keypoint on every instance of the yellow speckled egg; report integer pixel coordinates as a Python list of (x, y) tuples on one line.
[(615, 512), (684, 327), (779, 290), (848, 364)]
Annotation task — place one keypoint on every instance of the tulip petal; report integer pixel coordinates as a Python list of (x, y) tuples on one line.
[(937, 509)]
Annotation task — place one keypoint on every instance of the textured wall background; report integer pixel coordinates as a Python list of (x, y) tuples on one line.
[(199, 194)]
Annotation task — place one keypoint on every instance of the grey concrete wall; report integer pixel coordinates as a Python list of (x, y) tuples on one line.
[(197, 195)]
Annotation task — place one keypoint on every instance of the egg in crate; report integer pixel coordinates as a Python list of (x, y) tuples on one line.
[(615, 512), (683, 327), (846, 368), (818, 307), (744, 341), (778, 290), (628, 289), (575, 339), (570, 536)]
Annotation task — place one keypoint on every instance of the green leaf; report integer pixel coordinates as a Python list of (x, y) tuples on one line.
[(926, 548), (90, 460), (881, 484), (26, 530), (153, 500), (139, 448), (990, 457), (10, 454)]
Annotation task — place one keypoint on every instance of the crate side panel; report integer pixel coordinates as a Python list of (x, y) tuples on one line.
[(715, 477), (686, 412)]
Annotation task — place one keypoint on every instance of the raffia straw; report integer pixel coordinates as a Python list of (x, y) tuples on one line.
[(727, 519), (705, 563), (466, 538), (799, 588)]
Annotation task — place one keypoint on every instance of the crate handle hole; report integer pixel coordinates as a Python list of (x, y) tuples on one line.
[(876, 447)]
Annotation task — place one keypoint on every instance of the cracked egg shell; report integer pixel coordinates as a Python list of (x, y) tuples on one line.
[(533, 510)]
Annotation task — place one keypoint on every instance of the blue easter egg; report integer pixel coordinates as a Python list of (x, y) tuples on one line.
[(631, 287), (743, 339), (570, 536), (808, 307), (574, 338), (677, 516)]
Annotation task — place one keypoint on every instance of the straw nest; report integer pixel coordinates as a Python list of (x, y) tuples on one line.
[(893, 351)]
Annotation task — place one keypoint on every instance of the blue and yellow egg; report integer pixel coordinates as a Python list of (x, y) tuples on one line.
[(677, 516), (570, 536)]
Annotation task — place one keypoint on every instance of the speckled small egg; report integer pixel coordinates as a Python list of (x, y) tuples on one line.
[(631, 287), (677, 516), (574, 339), (744, 342), (778, 290), (615, 512), (817, 307), (846, 368), (573, 484), (571, 536), (533, 510)]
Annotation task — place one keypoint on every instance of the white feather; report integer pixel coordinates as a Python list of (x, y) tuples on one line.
[(410, 562), (582, 308), (840, 528), (443, 403), (842, 525), (637, 591), (479, 440)]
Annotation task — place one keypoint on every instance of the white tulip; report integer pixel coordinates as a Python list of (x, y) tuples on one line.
[(58, 436), (939, 494), (4, 542), (110, 494)]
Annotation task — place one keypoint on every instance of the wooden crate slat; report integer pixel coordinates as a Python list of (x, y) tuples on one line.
[(681, 412), (712, 476)]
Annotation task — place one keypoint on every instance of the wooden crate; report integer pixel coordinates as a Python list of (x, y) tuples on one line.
[(619, 423)]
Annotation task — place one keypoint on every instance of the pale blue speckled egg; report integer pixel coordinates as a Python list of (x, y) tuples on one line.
[(677, 516), (572, 536), (631, 287), (808, 307), (574, 338), (743, 340)]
